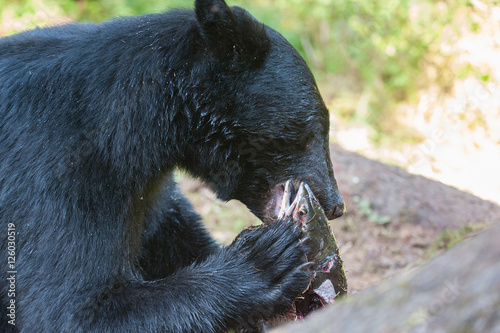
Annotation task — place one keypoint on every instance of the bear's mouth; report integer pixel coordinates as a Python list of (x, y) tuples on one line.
[(273, 207)]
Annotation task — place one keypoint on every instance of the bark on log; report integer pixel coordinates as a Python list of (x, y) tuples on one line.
[(458, 292)]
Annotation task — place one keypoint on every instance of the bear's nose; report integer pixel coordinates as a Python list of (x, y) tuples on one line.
[(337, 211)]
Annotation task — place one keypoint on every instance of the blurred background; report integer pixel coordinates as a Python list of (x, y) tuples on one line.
[(413, 89)]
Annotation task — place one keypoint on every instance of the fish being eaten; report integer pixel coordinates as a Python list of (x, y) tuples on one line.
[(330, 280)]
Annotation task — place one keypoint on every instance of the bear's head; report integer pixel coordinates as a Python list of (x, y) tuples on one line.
[(261, 119)]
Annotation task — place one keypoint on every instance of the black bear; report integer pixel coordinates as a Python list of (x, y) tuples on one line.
[(93, 120)]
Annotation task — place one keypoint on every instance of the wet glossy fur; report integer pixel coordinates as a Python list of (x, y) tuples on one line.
[(94, 118)]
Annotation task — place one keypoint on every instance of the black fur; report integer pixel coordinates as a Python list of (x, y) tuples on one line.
[(94, 118)]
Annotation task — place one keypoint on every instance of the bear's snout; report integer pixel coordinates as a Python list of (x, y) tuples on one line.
[(337, 211), (329, 197)]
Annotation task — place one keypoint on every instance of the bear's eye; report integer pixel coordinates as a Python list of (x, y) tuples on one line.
[(302, 212)]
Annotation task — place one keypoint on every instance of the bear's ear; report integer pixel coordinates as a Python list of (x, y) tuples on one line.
[(232, 33)]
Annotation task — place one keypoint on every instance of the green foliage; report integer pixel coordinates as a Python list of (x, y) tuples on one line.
[(369, 53), (97, 10), (451, 237), (364, 208), (80, 10)]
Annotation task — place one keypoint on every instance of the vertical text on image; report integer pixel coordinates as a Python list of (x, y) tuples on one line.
[(11, 273)]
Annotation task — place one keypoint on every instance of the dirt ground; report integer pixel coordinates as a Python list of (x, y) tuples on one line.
[(394, 220)]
